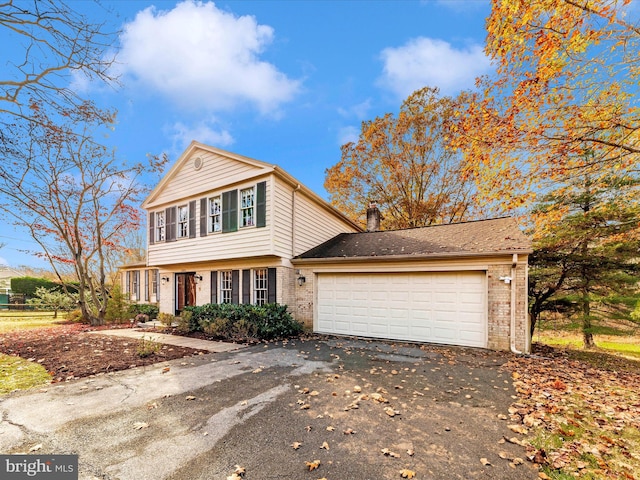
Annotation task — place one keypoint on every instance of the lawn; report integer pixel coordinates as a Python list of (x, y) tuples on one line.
[(12, 320)]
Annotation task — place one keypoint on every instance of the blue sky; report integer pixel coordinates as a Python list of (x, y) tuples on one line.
[(285, 82)]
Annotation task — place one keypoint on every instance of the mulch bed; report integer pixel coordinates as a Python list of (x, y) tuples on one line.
[(67, 351)]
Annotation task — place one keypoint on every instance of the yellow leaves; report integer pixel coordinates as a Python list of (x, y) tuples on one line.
[(296, 445), (405, 473), (237, 474), (313, 465), (325, 446)]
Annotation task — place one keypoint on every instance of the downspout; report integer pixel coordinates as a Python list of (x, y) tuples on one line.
[(512, 330)]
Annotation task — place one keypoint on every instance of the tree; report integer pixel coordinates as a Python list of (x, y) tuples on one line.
[(58, 44), (73, 196), (53, 299), (586, 245), (404, 164), (566, 81)]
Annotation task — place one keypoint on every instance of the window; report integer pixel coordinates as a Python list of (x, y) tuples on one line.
[(226, 286), (159, 226), (247, 200), (215, 214), (135, 285), (154, 283), (183, 221), (260, 286)]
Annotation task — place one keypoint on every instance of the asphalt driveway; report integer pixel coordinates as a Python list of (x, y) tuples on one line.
[(364, 410)]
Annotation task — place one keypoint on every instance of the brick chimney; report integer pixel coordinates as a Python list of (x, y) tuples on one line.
[(373, 217)]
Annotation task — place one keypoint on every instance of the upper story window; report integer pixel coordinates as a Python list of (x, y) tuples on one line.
[(247, 203), (215, 214), (160, 222), (183, 221)]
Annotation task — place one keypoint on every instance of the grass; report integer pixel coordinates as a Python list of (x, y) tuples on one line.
[(627, 346), (11, 320), (18, 374)]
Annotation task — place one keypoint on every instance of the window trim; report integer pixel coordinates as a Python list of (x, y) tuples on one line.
[(211, 216), (226, 286), (260, 286), (251, 218), (160, 230), (182, 232)]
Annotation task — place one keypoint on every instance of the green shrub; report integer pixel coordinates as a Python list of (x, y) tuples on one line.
[(265, 322), (117, 307), (75, 316), (147, 347), (184, 321), (29, 285)]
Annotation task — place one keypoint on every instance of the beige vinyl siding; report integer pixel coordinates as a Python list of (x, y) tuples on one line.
[(245, 242), (217, 172), (282, 215), (315, 225)]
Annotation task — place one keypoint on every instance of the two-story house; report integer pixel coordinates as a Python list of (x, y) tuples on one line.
[(223, 228)]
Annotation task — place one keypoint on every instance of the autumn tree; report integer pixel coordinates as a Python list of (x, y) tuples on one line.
[(74, 197), (51, 45), (586, 241), (566, 82), (404, 164)]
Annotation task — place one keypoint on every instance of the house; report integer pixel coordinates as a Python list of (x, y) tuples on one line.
[(6, 274), (224, 228)]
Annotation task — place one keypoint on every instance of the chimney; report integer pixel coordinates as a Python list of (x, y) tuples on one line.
[(373, 217)]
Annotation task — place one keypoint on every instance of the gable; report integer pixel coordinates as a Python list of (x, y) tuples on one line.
[(202, 169)]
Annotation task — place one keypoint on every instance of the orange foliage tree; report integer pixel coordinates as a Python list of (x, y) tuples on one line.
[(74, 197), (566, 83), (404, 164)]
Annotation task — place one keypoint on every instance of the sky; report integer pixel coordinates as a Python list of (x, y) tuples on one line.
[(285, 82)]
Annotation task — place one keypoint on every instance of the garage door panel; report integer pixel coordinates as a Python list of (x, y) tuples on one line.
[(441, 307)]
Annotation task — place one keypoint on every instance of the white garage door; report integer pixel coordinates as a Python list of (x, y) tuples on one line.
[(433, 307)]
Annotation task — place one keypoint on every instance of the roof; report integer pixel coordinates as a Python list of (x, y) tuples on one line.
[(481, 237)]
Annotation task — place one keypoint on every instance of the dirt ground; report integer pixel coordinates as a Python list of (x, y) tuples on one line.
[(69, 352)]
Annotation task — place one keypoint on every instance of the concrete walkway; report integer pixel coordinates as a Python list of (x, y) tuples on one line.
[(177, 340)]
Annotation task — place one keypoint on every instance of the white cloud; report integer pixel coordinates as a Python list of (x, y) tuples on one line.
[(426, 62), (348, 134), (202, 132), (359, 111), (200, 56)]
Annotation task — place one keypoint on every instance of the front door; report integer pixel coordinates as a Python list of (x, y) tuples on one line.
[(185, 290)]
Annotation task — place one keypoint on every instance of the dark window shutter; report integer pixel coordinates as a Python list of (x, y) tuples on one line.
[(192, 219), (261, 204), (152, 233), (203, 217), (246, 286), (235, 286), (271, 285), (170, 224), (127, 283), (158, 285), (146, 285), (214, 287), (230, 211)]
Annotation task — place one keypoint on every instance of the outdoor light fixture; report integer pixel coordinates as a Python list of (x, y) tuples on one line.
[(198, 277), (164, 280), (301, 280)]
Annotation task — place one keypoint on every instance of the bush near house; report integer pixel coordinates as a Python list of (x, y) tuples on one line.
[(229, 321), (151, 311)]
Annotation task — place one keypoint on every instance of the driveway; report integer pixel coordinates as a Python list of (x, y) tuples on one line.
[(363, 409)]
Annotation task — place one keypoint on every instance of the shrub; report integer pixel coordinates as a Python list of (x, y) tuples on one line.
[(148, 309), (265, 322), (184, 321), (117, 307), (166, 319), (76, 316), (29, 285), (148, 347)]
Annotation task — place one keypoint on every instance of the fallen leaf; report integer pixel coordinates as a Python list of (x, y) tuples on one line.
[(166, 369), (410, 452), (330, 428), (140, 425), (349, 431), (315, 393), (35, 448), (518, 429), (389, 453), (234, 476), (296, 445), (313, 465), (485, 461), (325, 445), (407, 473), (190, 397), (240, 470)]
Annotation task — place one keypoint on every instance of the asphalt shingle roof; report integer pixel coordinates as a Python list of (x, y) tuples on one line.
[(482, 237)]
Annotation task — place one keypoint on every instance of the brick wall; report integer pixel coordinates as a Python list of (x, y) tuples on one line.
[(499, 308)]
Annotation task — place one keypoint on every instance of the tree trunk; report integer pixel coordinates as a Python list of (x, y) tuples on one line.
[(586, 322)]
